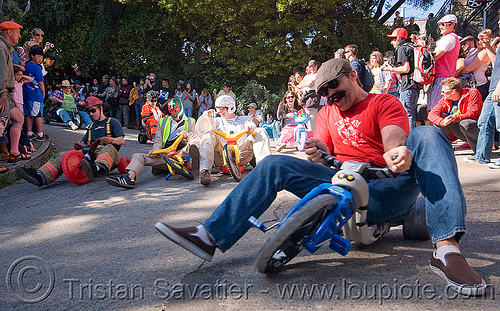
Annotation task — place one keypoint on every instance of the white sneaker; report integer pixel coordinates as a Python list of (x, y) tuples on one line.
[(494, 165), (72, 125), (470, 159)]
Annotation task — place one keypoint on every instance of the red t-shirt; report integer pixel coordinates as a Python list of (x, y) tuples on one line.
[(355, 134)]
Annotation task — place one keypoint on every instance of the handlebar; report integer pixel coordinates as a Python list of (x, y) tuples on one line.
[(368, 173), (172, 147)]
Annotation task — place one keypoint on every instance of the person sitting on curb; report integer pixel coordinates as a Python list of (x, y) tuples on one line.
[(64, 102), (457, 111), (169, 129), (363, 127), (109, 130), (211, 145)]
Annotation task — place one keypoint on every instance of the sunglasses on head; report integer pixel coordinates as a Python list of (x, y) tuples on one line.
[(331, 85)]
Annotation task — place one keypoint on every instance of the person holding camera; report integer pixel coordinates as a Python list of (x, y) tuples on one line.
[(151, 83)]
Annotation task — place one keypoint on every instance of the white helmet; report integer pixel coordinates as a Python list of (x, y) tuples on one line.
[(226, 101)]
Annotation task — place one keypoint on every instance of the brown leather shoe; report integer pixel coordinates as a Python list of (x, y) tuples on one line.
[(184, 237), (205, 178), (459, 275)]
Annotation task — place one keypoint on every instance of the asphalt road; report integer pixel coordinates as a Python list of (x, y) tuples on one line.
[(94, 247)]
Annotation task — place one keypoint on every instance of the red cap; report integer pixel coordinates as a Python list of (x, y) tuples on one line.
[(9, 25), (399, 32)]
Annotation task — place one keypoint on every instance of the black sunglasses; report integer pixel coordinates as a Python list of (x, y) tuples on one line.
[(331, 85), (92, 110)]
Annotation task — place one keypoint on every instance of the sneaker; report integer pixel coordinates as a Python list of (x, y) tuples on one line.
[(123, 181), (88, 168), (184, 237), (471, 159), (33, 136), (494, 165), (205, 178), (459, 275), (42, 138), (72, 125), (194, 153), (280, 147), (30, 175)]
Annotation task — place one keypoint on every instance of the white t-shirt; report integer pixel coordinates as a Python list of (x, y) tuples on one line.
[(236, 125), (446, 43)]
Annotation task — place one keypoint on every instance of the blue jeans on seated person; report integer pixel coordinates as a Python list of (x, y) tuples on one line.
[(486, 125), (433, 172), (64, 114)]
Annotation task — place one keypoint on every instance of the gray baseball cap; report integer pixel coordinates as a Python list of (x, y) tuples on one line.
[(331, 70)]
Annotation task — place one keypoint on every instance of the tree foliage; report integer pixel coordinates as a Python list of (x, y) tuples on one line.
[(207, 41)]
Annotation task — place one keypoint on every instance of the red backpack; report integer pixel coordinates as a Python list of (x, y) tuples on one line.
[(425, 71)]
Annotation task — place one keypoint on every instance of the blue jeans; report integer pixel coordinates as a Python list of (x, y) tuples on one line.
[(486, 125), (188, 112), (433, 172), (409, 99), (66, 118)]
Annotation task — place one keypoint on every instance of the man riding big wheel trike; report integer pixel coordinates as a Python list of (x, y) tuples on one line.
[(353, 126), (175, 142), (251, 142), (100, 146)]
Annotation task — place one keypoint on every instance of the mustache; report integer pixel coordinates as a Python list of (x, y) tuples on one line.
[(335, 96)]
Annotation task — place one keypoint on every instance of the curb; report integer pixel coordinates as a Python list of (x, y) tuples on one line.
[(36, 160)]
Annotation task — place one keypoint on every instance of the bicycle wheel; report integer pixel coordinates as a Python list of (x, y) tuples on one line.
[(234, 168), (178, 168), (286, 242)]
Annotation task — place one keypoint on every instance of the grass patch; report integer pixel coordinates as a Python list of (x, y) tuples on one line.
[(6, 180)]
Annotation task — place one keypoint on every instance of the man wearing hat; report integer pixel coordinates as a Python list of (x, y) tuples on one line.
[(362, 127), (445, 57), (409, 90), (225, 91), (468, 45), (169, 127), (65, 101), (111, 136), (254, 114), (10, 35)]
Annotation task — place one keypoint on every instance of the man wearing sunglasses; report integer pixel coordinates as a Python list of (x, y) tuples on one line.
[(405, 66), (445, 57), (110, 133), (363, 127)]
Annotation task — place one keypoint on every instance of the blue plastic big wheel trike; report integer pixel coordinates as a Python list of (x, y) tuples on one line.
[(330, 211)]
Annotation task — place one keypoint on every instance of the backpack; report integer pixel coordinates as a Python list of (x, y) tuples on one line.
[(425, 71), (367, 77)]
